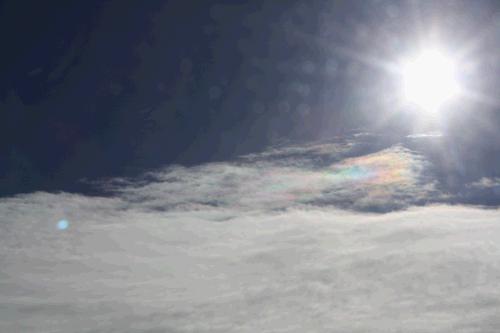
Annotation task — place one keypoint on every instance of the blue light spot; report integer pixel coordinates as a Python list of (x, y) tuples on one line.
[(62, 224)]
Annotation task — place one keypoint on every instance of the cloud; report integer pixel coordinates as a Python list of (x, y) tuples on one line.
[(486, 182), (298, 176), (117, 268), (361, 172), (284, 241)]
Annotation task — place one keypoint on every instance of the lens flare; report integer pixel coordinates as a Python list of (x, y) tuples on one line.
[(62, 224)]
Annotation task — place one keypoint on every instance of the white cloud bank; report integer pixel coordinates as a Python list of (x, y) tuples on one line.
[(252, 247)]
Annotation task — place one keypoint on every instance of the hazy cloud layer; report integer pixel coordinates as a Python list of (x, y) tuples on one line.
[(118, 269), (256, 245)]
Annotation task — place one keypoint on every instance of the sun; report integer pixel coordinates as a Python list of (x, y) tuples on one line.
[(429, 79)]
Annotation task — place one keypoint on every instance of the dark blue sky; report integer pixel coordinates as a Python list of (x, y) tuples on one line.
[(92, 89)]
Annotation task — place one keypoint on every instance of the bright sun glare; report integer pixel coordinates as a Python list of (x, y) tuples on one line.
[(430, 80)]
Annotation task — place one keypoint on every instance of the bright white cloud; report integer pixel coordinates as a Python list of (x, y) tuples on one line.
[(252, 246)]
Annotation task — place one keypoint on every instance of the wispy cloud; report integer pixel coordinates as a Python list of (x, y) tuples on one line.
[(385, 180), (486, 182)]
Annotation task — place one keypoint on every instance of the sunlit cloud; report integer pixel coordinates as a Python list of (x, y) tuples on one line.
[(288, 235), (126, 265), (389, 179)]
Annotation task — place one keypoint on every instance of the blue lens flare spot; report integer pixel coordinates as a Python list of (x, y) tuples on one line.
[(62, 225)]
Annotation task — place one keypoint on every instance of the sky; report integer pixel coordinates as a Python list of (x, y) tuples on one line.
[(114, 88), (236, 166)]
